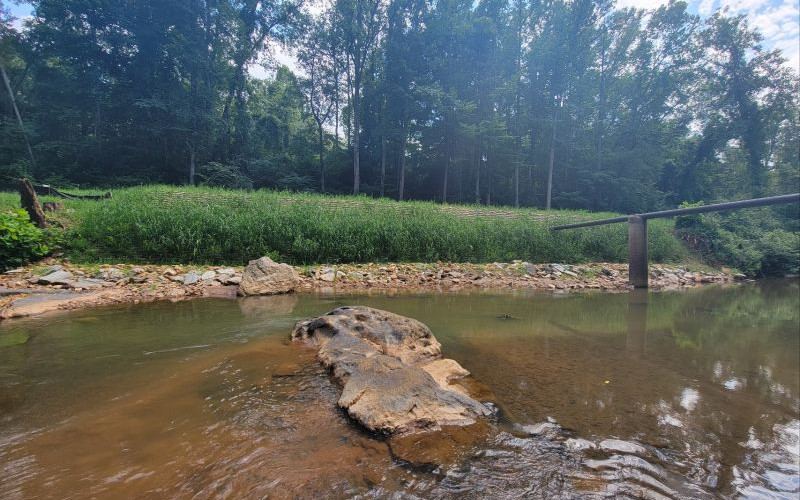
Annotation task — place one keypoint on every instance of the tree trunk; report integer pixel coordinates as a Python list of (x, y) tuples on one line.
[(336, 95), (401, 180), (356, 137), (444, 181), (30, 202), (19, 117), (531, 151), (383, 165), (192, 155), (517, 100), (478, 160), (321, 156), (488, 183), (601, 104), (449, 152), (550, 163)]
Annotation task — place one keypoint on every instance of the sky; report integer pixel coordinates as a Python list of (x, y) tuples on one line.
[(777, 20)]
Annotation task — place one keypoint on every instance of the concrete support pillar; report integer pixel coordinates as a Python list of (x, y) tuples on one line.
[(637, 251), (636, 340)]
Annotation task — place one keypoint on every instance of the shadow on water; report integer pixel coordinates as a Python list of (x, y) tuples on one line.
[(643, 395)]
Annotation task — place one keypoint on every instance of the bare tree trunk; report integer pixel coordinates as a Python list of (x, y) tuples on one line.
[(459, 173), (192, 155), (478, 160), (449, 153), (321, 156), (517, 100), (356, 137), (336, 96), (601, 104), (401, 180), (532, 150), (550, 163), (444, 182), (488, 183), (336, 105), (19, 117), (30, 202), (383, 165)]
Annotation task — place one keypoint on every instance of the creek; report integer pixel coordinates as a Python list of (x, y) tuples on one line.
[(692, 394)]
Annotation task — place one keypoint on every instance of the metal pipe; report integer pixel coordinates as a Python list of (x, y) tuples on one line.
[(598, 222), (637, 229), (717, 207)]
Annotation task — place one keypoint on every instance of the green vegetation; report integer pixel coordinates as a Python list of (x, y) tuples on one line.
[(755, 241), (218, 226), (20, 241), (574, 104), (212, 225)]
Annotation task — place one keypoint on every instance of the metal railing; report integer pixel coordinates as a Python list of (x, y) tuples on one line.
[(637, 228)]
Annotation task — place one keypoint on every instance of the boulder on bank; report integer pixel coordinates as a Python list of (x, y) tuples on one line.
[(265, 277), (391, 370)]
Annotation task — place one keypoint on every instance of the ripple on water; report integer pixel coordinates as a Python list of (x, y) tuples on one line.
[(693, 406)]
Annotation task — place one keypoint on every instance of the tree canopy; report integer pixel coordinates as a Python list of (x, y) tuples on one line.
[(562, 103)]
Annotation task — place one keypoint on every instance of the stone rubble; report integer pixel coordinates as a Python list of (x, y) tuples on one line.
[(142, 283)]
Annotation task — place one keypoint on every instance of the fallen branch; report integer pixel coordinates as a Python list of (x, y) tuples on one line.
[(44, 189)]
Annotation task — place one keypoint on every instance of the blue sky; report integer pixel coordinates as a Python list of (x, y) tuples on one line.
[(777, 20)]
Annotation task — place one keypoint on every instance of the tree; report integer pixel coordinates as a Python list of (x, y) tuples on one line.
[(360, 23), (317, 57)]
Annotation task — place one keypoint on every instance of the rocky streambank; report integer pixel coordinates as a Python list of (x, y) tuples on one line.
[(502, 275), (58, 284)]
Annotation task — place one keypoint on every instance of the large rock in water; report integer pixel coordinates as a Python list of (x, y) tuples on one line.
[(265, 277), (391, 370)]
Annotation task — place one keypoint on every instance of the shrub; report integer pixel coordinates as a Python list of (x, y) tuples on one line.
[(222, 175), (753, 241), (780, 253), (20, 241)]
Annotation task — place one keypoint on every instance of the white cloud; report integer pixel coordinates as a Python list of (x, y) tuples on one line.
[(705, 7), (777, 20), (639, 4), (17, 23), (278, 55)]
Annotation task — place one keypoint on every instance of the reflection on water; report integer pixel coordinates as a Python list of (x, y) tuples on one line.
[(670, 395)]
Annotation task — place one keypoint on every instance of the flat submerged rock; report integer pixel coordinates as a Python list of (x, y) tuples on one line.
[(393, 377)]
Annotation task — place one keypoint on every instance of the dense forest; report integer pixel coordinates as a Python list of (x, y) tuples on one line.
[(562, 103)]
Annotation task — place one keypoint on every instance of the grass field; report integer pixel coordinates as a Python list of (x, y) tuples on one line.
[(216, 226)]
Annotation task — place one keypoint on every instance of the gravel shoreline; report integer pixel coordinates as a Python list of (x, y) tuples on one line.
[(59, 285)]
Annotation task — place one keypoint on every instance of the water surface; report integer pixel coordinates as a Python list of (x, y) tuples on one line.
[(690, 394)]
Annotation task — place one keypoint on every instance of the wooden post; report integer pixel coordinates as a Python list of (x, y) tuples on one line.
[(30, 202), (637, 251)]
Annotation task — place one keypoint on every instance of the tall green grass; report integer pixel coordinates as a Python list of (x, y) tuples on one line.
[(207, 225)]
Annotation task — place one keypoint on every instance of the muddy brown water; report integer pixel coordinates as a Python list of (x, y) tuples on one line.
[(691, 394)]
